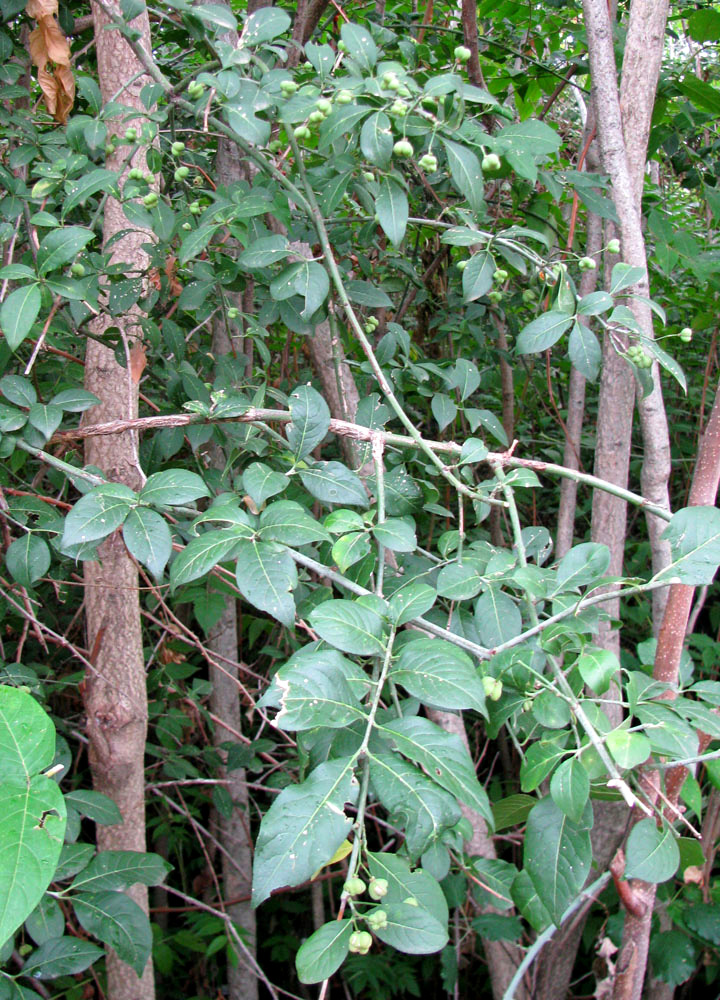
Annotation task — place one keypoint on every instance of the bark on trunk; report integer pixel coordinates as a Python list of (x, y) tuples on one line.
[(115, 696)]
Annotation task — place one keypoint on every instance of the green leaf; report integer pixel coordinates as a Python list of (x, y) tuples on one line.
[(540, 760), (493, 881), (313, 283), (64, 956), (343, 119), (173, 488), (310, 420), (349, 626), (349, 549), (261, 482), (497, 617), (322, 954), (47, 921), (218, 15), (32, 810), (18, 313), (203, 553), (78, 190), (396, 534), (557, 855), (411, 601), (73, 858), (625, 276), (118, 921), (443, 408), (466, 173), (672, 953), (196, 241), (412, 930), (512, 811), (439, 674), (651, 854), (148, 539), (704, 920), (75, 400), (96, 806), (241, 113), (443, 757), (391, 206), (406, 884), (45, 418), (304, 827), (669, 735), (528, 902), (363, 293), (28, 558), (113, 870), (570, 788), (597, 668), (11, 419), (582, 565), (60, 246), (264, 25), (542, 332), (628, 750), (98, 513), (477, 278), (704, 25), (333, 482), (531, 136), (376, 140), (264, 251), (459, 581), (360, 45), (289, 523), (694, 536), (585, 351), (594, 304), (497, 927), (311, 696), (413, 801), (266, 576)]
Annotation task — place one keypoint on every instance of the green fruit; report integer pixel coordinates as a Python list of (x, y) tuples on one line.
[(495, 296), (529, 296), (302, 132), (403, 91), (186, 226), (429, 163), (77, 270), (686, 334), (194, 208), (368, 175), (613, 246), (587, 264), (344, 97), (135, 175), (233, 312), (403, 149), (288, 87), (324, 105), (527, 705), (150, 199), (315, 117), (275, 146), (399, 109), (488, 684), (109, 149), (148, 178), (491, 163), (130, 134), (462, 53), (378, 888), (500, 275), (181, 173), (360, 942), (462, 264), (195, 89), (377, 920), (354, 886), (497, 691), (177, 148)]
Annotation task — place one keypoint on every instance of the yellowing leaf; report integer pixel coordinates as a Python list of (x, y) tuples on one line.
[(342, 852)]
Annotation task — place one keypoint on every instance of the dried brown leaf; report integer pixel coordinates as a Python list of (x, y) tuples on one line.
[(138, 361), (41, 8), (57, 45)]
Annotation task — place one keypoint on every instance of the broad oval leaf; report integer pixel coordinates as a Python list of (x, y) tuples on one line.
[(466, 173), (543, 332), (376, 139), (118, 921), (349, 626), (391, 205), (583, 564), (28, 558), (311, 696), (324, 952), (412, 930), (477, 278), (266, 577), (303, 827), (18, 313), (148, 539), (310, 420), (497, 617), (570, 788), (60, 246), (694, 536), (173, 488), (651, 854), (333, 482), (64, 956), (439, 674), (203, 553), (557, 855), (121, 869), (289, 523)]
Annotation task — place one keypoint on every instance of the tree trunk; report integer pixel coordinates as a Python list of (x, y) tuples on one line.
[(115, 696)]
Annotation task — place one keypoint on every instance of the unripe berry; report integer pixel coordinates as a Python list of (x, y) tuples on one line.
[(177, 148), (491, 163), (378, 888), (130, 134), (368, 175), (275, 146), (342, 47), (360, 942), (500, 275), (613, 246), (186, 226), (462, 264), (497, 691), (181, 173), (194, 208), (403, 149), (377, 920), (528, 296), (315, 117), (495, 296), (398, 109), (195, 89), (462, 53), (135, 174), (302, 132), (233, 312), (288, 87), (77, 270), (324, 105), (429, 163), (150, 199), (686, 334), (109, 149), (344, 97), (587, 264), (354, 886)]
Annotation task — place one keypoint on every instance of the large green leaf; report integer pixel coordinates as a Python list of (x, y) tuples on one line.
[(570, 788), (266, 577), (557, 855), (412, 930), (440, 674), (391, 205), (120, 869), (203, 553), (543, 332), (376, 139), (18, 313), (694, 536), (310, 696), (118, 921), (360, 45), (406, 884), (443, 757), (651, 854), (466, 173), (413, 801), (310, 420), (173, 488), (64, 956), (324, 952), (497, 617), (261, 482), (333, 482), (32, 809), (60, 246), (98, 514), (148, 539), (583, 564), (477, 278), (28, 558), (289, 523), (350, 626), (303, 828)]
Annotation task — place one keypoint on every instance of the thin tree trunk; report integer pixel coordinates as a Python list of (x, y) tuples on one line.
[(115, 695)]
